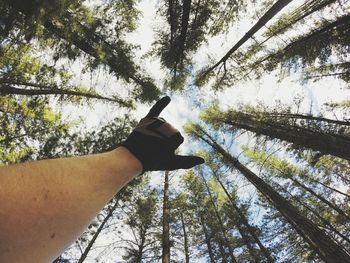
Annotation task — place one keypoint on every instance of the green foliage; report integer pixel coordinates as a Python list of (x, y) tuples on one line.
[(191, 25)]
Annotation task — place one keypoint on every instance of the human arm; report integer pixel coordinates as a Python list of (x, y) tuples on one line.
[(46, 205)]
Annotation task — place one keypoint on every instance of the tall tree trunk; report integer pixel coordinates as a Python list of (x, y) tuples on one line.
[(6, 89), (166, 219), (207, 239), (325, 143), (278, 6), (92, 241), (187, 254), (140, 251), (309, 117), (323, 245), (321, 198), (221, 224), (180, 45), (222, 252), (313, 6), (323, 220), (245, 222)]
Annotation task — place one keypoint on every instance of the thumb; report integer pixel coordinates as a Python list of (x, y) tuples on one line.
[(185, 162)]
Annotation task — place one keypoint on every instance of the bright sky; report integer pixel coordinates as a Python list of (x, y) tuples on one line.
[(182, 109)]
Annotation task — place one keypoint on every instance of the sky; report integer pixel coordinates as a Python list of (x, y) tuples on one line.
[(183, 108)]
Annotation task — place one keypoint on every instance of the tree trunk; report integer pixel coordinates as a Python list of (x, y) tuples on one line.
[(222, 227), (180, 45), (245, 222), (325, 143), (166, 219), (222, 252), (6, 89), (92, 241), (309, 117), (324, 221), (321, 198), (314, 6), (323, 245), (278, 6), (140, 252), (187, 254), (207, 240)]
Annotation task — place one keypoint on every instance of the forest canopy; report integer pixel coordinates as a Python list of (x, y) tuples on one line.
[(260, 90)]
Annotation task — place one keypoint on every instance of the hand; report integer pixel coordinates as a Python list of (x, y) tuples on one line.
[(154, 141)]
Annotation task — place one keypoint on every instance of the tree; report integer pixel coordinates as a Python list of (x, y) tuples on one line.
[(212, 223), (242, 219), (181, 211), (166, 221), (318, 198), (278, 6), (65, 23), (190, 24), (321, 243), (320, 134), (221, 224), (326, 39), (141, 221)]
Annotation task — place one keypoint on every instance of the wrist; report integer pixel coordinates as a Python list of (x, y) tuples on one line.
[(127, 162)]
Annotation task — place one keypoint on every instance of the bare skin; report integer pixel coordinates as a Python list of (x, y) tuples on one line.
[(46, 205)]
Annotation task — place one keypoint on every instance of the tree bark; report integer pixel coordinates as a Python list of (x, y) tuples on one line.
[(245, 222), (207, 240), (6, 89), (180, 45), (222, 227), (326, 143), (278, 6), (187, 254), (100, 228), (166, 219), (323, 245), (323, 220)]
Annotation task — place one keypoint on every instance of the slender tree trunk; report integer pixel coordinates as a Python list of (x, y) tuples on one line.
[(222, 227), (330, 188), (140, 251), (6, 89), (187, 254), (166, 219), (314, 8), (323, 220), (278, 6), (186, 9), (326, 143), (309, 117), (323, 245), (92, 241), (222, 252), (245, 222), (321, 198), (207, 240)]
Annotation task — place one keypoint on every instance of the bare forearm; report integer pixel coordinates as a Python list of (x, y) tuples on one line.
[(49, 203)]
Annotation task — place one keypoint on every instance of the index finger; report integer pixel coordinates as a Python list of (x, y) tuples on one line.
[(158, 107)]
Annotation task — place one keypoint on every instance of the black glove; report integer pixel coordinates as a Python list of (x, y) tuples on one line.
[(154, 141)]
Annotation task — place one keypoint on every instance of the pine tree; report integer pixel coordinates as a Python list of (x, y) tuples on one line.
[(166, 221), (73, 23), (319, 134), (321, 243)]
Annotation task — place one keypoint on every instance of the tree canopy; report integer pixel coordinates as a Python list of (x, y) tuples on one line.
[(262, 85)]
